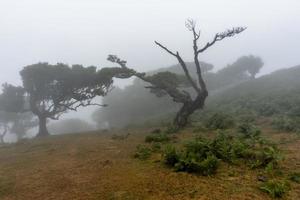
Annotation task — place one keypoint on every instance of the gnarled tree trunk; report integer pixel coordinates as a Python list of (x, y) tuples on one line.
[(43, 131), (188, 108)]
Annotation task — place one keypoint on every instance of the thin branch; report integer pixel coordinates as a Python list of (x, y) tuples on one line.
[(183, 65), (223, 35), (165, 48)]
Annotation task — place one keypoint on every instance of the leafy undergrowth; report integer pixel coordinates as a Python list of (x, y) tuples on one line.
[(94, 166), (275, 188), (203, 156)]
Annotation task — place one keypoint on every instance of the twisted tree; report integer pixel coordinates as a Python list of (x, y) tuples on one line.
[(56, 89), (167, 83), (49, 91)]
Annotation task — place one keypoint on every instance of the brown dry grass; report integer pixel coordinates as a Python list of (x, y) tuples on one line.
[(93, 166)]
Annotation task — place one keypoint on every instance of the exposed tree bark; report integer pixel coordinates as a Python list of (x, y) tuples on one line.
[(43, 131)]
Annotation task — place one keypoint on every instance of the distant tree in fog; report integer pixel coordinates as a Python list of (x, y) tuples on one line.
[(4, 125), (50, 90), (251, 64), (167, 83), (11, 103), (23, 122)]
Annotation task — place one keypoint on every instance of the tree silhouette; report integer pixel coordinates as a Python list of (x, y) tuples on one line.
[(52, 90), (167, 83)]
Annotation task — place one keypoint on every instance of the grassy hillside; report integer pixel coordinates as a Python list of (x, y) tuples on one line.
[(275, 94), (95, 166)]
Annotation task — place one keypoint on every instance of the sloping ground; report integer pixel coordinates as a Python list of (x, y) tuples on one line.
[(275, 93), (93, 166)]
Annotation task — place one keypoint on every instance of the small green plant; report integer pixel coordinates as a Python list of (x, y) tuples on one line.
[(295, 177), (158, 137), (276, 189), (219, 121), (194, 158), (268, 156), (249, 131), (171, 156), (155, 147), (202, 155), (142, 152), (193, 164)]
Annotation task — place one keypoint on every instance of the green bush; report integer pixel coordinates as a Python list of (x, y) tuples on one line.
[(202, 155), (284, 123), (171, 156), (295, 177), (264, 157), (275, 189), (219, 121), (195, 158), (193, 164), (158, 137), (142, 152), (155, 147), (248, 130)]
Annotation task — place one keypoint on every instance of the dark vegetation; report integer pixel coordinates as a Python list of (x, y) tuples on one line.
[(50, 90), (242, 146), (202, 155), (275, 188)]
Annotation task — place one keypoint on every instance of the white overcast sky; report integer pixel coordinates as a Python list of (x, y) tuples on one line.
[(86, 31)]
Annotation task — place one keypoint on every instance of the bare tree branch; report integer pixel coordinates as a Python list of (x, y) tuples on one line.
[(183, 65), (165, 48), (221, 36)]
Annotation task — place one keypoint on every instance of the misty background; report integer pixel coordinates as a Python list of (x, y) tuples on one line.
[(86, 31)]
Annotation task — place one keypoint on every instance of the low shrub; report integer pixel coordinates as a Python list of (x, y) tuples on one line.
[(191, 163), (155, 147), (276, 189), (202, 155), (195, 158), (219, 121), (268, 156), (284, 123), (158, 137), (171, 155), (295, 177), (248, 130), (142, 152)]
